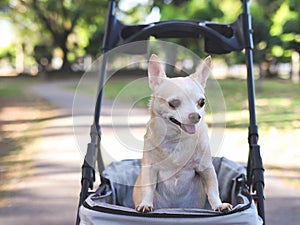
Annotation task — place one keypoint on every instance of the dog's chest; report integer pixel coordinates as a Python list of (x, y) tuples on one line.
[(177, 164), (176, 178), (174, 154), (183, 189)]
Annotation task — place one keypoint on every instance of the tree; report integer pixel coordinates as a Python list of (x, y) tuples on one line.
[(214, 10), (60, 21), (291, 36), (277, 24)]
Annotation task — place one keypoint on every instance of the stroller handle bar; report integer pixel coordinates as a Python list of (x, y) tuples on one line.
[(228, 36)]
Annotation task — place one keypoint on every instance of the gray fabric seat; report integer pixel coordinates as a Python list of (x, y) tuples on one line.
[(112, 202)]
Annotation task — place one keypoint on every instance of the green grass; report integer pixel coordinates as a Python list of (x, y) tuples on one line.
[(277, 102), (15, 87), (123, 90), (129, 91), (8, 89)]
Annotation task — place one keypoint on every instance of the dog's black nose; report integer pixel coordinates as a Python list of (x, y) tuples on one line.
[(194, 117)]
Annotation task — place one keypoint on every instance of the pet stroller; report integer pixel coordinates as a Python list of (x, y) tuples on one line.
[(111, 203)]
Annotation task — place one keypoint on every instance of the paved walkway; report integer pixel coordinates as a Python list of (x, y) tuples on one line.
[(50, 195)]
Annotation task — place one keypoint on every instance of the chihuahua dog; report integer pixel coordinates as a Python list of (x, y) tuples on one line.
[(177, 169)]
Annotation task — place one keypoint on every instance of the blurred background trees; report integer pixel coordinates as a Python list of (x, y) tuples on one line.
[(62, 29), (65, 31)]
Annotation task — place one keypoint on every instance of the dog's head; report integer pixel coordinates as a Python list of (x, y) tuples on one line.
[(179, 101)]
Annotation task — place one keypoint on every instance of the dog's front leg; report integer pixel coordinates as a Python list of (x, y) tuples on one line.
[(143, 192), (212, 191)]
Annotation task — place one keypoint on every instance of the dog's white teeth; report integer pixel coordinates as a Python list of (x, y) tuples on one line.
[(190, 129)]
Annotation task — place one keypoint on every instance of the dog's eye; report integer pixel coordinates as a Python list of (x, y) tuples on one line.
[(174, 103), (201, 102)]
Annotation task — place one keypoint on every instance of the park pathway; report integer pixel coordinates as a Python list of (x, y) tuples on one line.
[(49, 195)]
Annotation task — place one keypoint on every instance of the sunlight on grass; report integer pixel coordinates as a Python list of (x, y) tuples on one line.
[(129, 91), (277, 102)]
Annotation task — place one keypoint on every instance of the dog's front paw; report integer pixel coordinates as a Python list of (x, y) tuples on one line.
[(144, 208), (224, 207)]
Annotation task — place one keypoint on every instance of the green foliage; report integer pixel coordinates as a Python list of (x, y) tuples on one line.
[(290, 26), (224, 11), (8, 52), (276, 25), (194, 9), (269, 7), (208, 10), (77, 26), (66, 24), (95, 42)]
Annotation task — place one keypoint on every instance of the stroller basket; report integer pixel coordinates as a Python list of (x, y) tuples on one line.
[(112, 202)]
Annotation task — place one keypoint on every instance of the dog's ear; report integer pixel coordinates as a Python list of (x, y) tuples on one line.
[(202, 72), (155, 72)]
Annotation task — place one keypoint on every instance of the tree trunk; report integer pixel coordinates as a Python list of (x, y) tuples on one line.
[(66, 66), (61, 42), (270, 72), (295, 67), (19, 59)]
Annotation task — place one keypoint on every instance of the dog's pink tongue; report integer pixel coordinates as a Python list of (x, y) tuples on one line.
[(189, 128)]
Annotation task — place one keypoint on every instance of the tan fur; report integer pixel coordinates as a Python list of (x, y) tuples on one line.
[(177, 170)]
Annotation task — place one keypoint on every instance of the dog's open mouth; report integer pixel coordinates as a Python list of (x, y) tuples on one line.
[(189, 128)]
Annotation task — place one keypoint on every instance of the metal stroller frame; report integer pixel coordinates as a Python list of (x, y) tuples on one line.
[(219, 39)]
